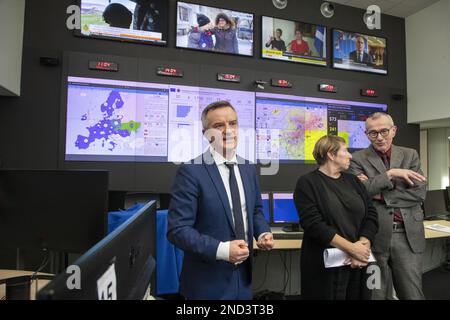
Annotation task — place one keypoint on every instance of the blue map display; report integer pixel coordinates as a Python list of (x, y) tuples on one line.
[(104, 129)]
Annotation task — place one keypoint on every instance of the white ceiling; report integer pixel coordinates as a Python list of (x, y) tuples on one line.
[(399, 8)]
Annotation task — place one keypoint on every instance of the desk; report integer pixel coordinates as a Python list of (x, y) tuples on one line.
[(6, 274), (289, 244), (431, 234)]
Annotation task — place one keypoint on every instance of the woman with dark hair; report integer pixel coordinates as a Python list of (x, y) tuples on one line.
[(225, 32), (335, 211)]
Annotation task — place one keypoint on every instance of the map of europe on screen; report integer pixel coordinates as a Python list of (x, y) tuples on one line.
[(103, 119)]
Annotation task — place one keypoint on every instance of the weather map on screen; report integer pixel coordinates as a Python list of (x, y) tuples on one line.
[(288, 127)]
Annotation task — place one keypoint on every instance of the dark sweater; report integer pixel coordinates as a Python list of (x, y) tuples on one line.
[(321, 220), (317, 211)]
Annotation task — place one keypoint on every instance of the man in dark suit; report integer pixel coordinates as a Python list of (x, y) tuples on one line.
[(215, 212), (393, 178), (359, 55)]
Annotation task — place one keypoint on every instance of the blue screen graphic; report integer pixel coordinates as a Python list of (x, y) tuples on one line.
[(284, 210)]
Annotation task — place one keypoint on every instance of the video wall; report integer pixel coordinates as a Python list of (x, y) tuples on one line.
[(227, 31), (112, 120)]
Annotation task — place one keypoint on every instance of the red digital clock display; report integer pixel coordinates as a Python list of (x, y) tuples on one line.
[(103, 66), (282, 83), (228, 77), (369, 93), (327, 88), (170, 72)]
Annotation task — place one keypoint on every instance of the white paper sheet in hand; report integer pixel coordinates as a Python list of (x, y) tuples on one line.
[(335, 257)]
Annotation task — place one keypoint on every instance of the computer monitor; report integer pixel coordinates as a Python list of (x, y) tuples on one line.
[(60, 210), (435, 204), (266, 206), (284, 211), (448, 197), (122, 261)]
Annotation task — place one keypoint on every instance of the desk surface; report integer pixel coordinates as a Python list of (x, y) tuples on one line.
[(285, 244), (6, 274), (431, 234)]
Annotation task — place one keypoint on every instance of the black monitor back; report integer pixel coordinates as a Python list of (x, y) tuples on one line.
[(62, 210), (435, 203), (129, 249)]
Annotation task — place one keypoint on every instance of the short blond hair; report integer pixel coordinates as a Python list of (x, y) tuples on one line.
[(327, 144)]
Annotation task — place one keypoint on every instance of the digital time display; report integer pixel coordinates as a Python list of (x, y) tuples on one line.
[(324, 87), (282, 83), (169, 72), (369, 93), (228, 77), (103, 66)]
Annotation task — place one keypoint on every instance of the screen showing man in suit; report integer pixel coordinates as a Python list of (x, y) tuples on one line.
[(360, 55), (215, 211), (361, 52), (394, 179)]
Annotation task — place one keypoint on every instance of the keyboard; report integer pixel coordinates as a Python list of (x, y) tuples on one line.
[(288, 236)]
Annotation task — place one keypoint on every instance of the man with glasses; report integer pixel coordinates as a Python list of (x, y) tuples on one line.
[(394, 180)]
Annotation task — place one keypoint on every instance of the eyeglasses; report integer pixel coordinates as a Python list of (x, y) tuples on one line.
[(374, 134)]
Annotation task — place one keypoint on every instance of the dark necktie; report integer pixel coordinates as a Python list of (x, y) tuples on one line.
[(236, 200), (385, 159)]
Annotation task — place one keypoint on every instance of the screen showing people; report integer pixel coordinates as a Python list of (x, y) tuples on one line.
[(293, 41), (115, 120), (213, 29), (354, 51), (126, 20)]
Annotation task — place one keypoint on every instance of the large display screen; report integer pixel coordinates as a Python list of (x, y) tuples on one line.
[(354, 51), (113, 120), (294, 41), (213, 29), (288, 127), (125, 20)]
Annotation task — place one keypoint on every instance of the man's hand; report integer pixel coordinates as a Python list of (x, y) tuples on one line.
[(238, 251), (406, 174), (266, 242), (362, 177)]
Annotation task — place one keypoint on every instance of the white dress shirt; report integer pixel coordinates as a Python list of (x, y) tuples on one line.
[(223, 251)]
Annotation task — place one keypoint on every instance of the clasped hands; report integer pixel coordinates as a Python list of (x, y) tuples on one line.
[(239, 251), (359, 254)]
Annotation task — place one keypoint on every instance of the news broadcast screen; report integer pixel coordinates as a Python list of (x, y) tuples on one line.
[(142, 21), (214, 29), (294, 41), (354, 51)]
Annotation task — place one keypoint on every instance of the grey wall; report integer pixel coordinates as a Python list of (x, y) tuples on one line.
[(30, 133)]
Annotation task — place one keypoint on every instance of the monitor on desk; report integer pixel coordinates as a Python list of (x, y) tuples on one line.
[(60, 210), (284, 211), (118, 267), (266, 206), (435, 204), (447, 189)]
